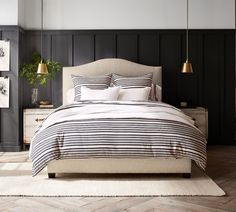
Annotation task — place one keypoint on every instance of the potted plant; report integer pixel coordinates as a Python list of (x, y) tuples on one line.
[(29, 71)]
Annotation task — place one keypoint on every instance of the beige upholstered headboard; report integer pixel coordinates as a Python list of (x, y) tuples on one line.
[(107, 66)]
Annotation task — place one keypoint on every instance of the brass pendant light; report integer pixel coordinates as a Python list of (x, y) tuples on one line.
[(42, 67), (187, 66)]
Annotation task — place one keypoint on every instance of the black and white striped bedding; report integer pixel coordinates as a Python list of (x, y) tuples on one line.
[(96, 129), (132, 82)]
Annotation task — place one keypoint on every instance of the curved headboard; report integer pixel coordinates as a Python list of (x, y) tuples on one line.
[(107, 66)]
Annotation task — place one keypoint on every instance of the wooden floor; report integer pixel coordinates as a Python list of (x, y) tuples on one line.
[(221, 168)]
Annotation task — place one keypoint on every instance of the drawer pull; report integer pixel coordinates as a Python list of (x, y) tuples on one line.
[(38, 120)]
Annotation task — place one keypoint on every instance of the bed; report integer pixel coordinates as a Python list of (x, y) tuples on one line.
[(185, 147)]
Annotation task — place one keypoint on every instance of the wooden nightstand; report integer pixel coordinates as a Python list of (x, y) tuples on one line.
[(200, 116), (33, 118)]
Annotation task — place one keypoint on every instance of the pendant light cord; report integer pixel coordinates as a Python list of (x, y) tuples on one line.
[(187, 34), (41, 30)]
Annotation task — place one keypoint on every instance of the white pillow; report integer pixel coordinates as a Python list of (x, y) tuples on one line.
[(70, 96), (130, 94), (109, 94)]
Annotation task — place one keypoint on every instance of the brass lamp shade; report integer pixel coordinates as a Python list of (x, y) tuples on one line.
[(187, 68), (42, 68)]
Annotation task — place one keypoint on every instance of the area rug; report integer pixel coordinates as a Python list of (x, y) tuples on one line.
[(16, 180)]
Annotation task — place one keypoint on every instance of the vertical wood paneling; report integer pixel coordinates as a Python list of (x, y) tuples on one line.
[(228, 99), (1, 141), (196, 56), (170, 61), (20, 86), (83, 49), (45, 92), (62, 52), (10, 122), (213, 58), (32, 45), (104, 45), (127, 46), (10, 116), (189, 84), (148, 49), (210, 51)]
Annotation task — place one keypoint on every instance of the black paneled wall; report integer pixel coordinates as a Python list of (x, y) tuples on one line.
[(212, 53), (11, 118)]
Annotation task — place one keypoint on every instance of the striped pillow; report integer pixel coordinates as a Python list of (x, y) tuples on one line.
[(93, 82), (132, 82)]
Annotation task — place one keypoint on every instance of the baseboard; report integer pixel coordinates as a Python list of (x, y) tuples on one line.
[(8, 148)]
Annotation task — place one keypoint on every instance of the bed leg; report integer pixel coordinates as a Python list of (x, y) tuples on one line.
[(186, 175), (51, 175)]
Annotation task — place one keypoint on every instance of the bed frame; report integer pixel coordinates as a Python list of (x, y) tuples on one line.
[(111, 165)]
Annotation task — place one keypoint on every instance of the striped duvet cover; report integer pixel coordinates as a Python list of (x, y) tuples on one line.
[(101, 129)]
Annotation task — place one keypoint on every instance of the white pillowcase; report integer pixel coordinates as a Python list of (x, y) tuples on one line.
[(126, 94), (109, 94), (130, 94)]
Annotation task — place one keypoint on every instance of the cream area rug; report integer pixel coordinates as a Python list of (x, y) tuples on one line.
[(16, 180)]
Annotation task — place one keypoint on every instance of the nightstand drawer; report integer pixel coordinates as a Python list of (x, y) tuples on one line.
[(33, 118), (200, 116), (29, 133)]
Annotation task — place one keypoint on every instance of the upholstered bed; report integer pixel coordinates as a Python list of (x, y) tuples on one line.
[(177, 159)]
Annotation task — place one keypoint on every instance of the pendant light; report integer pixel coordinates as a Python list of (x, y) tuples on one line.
[(42, 67), (187, 66)]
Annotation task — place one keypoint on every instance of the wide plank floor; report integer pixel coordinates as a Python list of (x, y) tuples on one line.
[(221, 168)]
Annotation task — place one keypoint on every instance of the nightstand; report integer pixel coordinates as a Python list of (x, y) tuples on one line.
[(200, 116), (33, 118)]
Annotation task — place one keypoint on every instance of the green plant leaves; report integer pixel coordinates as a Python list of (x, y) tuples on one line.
[(29, 71)]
